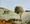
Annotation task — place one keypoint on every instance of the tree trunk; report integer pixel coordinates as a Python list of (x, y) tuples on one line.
[(20, 18)]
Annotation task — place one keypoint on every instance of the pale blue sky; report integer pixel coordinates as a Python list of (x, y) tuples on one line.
[(10, 4)]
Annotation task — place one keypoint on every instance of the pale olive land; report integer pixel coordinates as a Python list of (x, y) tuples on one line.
[(12, 14)]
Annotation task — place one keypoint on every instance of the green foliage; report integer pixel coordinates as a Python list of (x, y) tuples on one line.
[(16, 10), (27, 21), (6, 12), (13, 20)]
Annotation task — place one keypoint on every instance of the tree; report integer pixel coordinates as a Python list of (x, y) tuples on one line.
[(19, 10)]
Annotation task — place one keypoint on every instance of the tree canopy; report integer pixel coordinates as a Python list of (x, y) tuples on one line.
[(18, 9)]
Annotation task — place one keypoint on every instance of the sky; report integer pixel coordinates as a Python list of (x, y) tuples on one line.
[(11, 4)]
